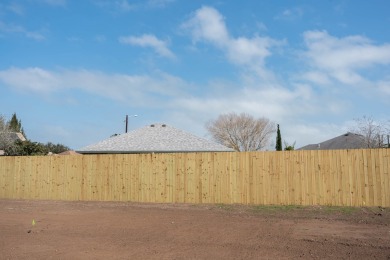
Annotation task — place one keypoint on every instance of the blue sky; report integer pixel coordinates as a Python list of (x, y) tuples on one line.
[(72, 70)]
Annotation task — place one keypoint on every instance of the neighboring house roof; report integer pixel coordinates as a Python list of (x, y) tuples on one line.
[(345, 141), (158, 138), (13, 136), (10, 137)]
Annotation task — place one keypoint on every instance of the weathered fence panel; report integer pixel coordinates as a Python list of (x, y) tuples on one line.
[(334, 177)]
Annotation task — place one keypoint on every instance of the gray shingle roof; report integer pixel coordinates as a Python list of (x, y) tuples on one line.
[(10, 137), (154, 138), (345, 141), (13, 136)]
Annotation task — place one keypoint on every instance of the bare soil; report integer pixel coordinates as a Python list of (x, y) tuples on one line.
[(117, 230)]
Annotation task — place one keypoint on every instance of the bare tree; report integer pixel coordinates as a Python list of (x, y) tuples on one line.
[(5, 137), (373, 132), (241, 132)]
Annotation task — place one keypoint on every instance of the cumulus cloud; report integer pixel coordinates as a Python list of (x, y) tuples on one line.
[(343, 58), (139, 89), (151, 41), (259, 102), (32, 79), (316, 77), (208, 25)]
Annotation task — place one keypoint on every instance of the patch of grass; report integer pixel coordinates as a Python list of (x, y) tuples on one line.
[(307, 210), (276, 208), (340, 209), (224, 206)]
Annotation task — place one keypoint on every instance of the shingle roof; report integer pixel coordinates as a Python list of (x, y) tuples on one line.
[(154, 138), (11, 137), (345, 141)]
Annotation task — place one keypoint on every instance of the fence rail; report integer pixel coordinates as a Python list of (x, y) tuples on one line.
[(334, 177)]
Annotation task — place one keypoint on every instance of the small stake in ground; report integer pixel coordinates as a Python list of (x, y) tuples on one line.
[(33, 224)]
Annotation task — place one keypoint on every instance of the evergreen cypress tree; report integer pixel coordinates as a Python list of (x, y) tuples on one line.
[(278, 146), (15, 125)]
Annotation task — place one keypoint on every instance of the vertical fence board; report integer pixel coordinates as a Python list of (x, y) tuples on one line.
[(377, 177), (386, 175), (381, 180)]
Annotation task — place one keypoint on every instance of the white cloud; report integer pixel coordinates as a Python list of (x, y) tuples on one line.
[(248, 51), (11, 28), (31, 79), (304, 133), (384, 87), (343, 58), (208, 25), (139, 89), (317, 77), (149, 40), (270, 102)]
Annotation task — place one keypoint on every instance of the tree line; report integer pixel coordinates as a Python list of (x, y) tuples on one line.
[(15, 145)]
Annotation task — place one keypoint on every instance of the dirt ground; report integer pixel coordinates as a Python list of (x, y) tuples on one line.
[(116, 230)]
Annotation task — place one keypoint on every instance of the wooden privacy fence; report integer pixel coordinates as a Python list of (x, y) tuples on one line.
[(334, 177)]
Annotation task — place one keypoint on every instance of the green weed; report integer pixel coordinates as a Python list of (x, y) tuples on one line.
[(276, 208)]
